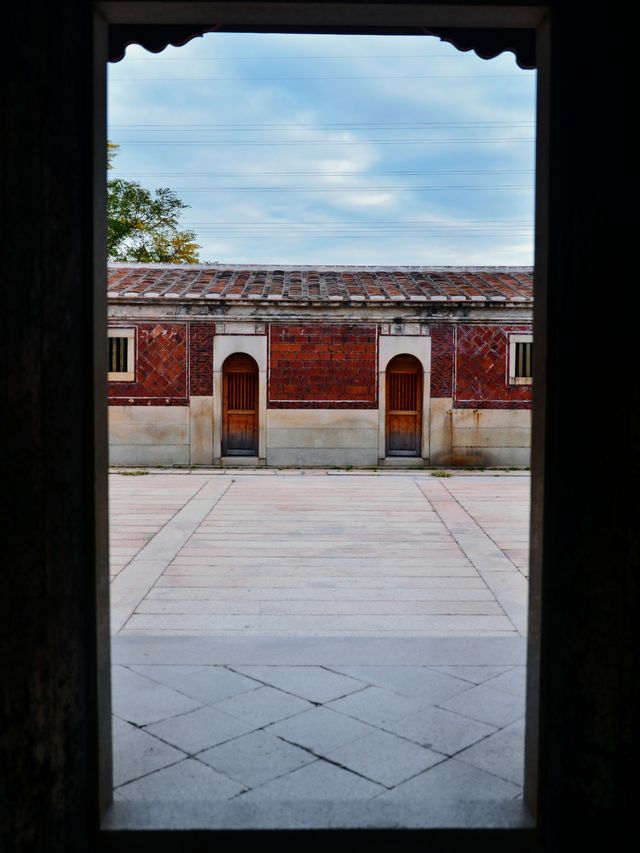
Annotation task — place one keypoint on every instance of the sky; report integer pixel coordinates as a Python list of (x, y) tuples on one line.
[(323, 149)]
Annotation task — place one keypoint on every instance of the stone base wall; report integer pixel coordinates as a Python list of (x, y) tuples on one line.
[(324, 438), (149, 435), (479, 437)]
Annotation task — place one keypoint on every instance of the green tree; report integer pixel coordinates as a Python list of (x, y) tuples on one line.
[(144, 225)]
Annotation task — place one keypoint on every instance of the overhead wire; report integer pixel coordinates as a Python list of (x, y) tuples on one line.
[(350, 229), (335, 125), (328, 174), (324, 142), (156, 58), (451, 188), (262, 79)]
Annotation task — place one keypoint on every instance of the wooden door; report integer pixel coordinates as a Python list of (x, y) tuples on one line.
[(404, 406), (240, 406)]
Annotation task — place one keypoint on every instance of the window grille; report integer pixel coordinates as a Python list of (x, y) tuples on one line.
[(242, 391), (523, 359), (403, 392), (520, 364), (118, 355), (121, 355)]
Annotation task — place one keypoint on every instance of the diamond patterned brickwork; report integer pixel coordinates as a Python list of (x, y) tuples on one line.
[(441, 360), (201, 358), (482, 369), (323, 365), (161, 368)]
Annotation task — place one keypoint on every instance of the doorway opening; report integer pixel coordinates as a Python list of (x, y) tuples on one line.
[(404, 407), (240, 406), (188, 593)]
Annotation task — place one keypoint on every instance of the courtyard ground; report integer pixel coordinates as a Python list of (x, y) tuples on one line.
[(317, 637)]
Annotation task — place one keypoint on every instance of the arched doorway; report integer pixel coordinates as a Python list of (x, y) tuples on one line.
[(240, 406), (403, 426)]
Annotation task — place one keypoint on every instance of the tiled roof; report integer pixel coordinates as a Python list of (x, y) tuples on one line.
[(320, 284)]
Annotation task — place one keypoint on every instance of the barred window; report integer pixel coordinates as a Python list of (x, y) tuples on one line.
[(121, 355), (118, 355), (523, 359), (520, 359)]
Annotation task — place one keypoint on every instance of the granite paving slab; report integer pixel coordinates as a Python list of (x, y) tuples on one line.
[(314, 683), (321, 730), (452, 780), (188, 780), (385, 758), (417, 682), (136, 753), (441, 730), (151, 704), (256, 758), (486, 705), (199, 729), (500, 753), (263, 706), (376, 706), (204, 683), (317, 781)]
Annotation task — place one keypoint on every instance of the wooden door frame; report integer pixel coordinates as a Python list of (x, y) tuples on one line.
[(419, 372), (225, 415)]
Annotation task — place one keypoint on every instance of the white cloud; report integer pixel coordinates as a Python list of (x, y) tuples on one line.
[(363, 182)]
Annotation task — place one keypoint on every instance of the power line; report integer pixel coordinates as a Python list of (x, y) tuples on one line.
[(152, 128), (329, 232), (264, 142), (340, 77), (327, 174), (358, 229), (354, 223), (354, 226), (522, 228), (440, 222), (456, 55), (350, 189), (357, 226), (359, 236)]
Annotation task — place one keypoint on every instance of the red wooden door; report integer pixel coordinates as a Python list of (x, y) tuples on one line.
[(240, 406), (404, 406)]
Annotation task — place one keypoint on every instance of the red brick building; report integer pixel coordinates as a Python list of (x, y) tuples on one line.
[(327, 366)]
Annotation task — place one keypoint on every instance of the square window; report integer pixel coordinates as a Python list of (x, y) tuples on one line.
[(121, 355), (520, 359)]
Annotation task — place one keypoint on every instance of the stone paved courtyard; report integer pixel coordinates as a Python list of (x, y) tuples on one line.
[(318, 637)]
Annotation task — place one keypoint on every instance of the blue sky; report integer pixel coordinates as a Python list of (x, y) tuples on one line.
[(318, 149)]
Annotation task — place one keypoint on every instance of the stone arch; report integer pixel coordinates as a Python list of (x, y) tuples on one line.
[(253, 347), (418, 347)]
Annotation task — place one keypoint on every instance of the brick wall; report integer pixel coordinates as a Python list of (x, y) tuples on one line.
[(481, 374), (441, 360), (161, 368), (323, 366), (201, 358)]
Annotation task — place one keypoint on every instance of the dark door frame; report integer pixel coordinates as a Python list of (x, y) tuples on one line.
[(582, 701), (382, 17), (393, 18)]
